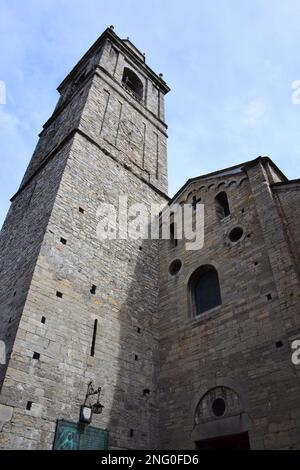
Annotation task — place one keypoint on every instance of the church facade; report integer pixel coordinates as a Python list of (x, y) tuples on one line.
[(141, 343)]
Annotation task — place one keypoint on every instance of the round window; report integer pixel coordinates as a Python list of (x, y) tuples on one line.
[(236, 234), (175, 267), (219, 407)]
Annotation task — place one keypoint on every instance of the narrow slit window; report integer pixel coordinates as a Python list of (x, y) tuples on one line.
[(173, 240), (94, 338)]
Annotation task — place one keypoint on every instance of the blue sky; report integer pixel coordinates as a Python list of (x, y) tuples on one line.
[(230, 64)]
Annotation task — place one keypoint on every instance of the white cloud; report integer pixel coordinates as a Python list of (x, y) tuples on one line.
[(227, 63)]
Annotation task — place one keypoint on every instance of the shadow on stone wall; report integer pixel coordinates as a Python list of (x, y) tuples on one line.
[(133, 422)]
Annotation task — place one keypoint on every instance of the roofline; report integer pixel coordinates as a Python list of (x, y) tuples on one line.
[(127, 40), (284, 183), (109, 33), (243, 166)]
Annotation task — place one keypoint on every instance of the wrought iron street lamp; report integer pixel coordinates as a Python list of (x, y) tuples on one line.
[(87, 410)]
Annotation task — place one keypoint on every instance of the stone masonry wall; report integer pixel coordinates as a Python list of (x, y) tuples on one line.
[(20, 241), (66, 121), (85, 156), (108, 118), (288, 200), (237, 343), (125, 305), (113, 60)]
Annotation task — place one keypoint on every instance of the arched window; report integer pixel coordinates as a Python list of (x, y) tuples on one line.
[(204, 289), (173, 234), (222, 205), (132, 82)]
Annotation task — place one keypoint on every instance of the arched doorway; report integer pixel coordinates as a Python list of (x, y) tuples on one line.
[(220, 421)]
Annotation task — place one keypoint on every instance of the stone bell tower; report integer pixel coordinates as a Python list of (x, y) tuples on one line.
[(75, 309)]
